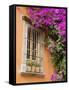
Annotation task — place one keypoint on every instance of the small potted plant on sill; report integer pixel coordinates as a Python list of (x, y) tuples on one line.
[(30, 63), (37, 67)]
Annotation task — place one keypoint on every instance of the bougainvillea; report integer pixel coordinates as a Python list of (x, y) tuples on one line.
[(54, 19), (49, 16)]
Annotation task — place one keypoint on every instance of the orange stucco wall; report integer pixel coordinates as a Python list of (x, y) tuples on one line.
[(48, 67)]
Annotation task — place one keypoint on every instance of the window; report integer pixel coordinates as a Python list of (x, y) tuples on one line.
[(34, 47)]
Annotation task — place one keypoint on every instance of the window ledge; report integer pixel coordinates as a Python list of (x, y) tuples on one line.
[(41, 74)]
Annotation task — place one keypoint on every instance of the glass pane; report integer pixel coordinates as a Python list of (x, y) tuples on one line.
[(34, 45), (28, 43)]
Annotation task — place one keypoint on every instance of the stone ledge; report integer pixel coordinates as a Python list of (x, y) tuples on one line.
[(33, 74)]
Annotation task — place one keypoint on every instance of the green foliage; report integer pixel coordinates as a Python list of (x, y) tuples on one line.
[(57, 49), (32, 63)]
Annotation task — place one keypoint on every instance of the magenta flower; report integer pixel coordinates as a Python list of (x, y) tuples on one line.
[(49, 16), (54, 76)]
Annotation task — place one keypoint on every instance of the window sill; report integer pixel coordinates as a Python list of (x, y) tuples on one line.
[(41, 74)]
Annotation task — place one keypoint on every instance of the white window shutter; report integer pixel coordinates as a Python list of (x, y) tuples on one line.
[(23, 66)]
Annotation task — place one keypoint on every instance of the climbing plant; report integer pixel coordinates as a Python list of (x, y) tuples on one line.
[(53, 20)]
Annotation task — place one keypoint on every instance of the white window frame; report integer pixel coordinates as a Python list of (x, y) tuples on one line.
[(40, 53)]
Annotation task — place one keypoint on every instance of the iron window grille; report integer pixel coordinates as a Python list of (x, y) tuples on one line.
[(33, 49)]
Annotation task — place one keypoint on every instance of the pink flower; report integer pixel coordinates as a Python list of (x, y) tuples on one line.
[(49, 16), (54, 76)]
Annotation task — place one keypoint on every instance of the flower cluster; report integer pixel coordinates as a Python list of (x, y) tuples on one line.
[(49, 16), (57, 76)]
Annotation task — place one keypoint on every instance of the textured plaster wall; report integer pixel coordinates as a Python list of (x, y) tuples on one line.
[(47, 65)]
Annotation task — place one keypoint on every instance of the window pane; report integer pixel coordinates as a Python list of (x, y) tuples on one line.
[(34, 45), (28, 43)]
